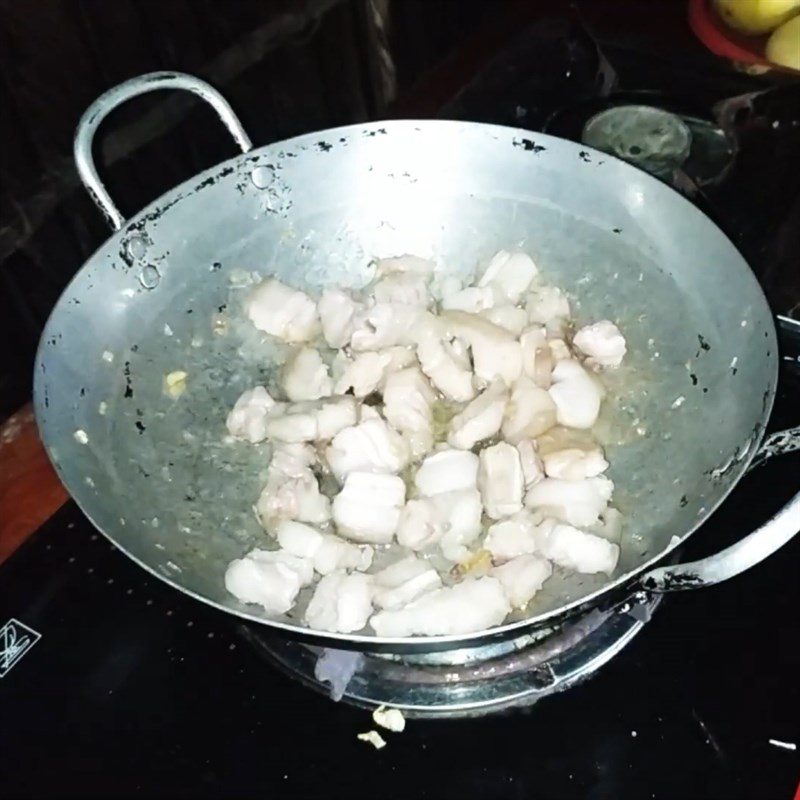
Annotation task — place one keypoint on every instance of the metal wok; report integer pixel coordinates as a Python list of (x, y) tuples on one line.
[(155, 474)]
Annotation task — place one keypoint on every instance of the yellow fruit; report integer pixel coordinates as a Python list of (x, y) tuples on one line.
[(783, 47), (756, 16)]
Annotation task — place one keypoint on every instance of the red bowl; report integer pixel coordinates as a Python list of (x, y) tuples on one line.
[(723, 41)]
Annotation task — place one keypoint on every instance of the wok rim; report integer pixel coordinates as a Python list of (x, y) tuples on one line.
[(408, 644)]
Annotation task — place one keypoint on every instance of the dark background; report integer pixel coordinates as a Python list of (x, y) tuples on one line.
[(286, 67), (292, 66), (136, 690)]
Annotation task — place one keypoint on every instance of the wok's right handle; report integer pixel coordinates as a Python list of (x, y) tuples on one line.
[(97, 112), (735, 559)]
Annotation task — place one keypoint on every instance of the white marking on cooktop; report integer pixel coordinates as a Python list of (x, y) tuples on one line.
[(16, 640)]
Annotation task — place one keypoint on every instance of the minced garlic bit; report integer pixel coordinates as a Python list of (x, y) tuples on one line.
[(390, 718), (678, 402), (80, 436), (102, 408), (108, 356), (374, 738), (476, 564), (175, 383)]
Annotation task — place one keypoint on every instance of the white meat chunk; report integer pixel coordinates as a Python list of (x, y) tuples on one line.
[(447, 471), (409, 288), (530, 411), (292, 491), (294, 425), (370, 446), (269, 579), (341, 603), (403, 582), (362, 374), (248, 417), (576, 394), (537, 357), (444, 284), (512, 273), (447, 366), (368, 507), (450, 519), (406, 264), (326, 552), (574, 463), (367, 412), (508, 317), (496, 354), (385, 325), (307, 422), (574, 549), (303, 567), (472, 299), (532, 467), (512, 537), (461, 512), (470, 606), (281, 311), (576, 502), (407, 405), (522, 577), (500, 480), (609, 526), (305, 376), (559, 350), (290, 460), (335, 553), (337, 312), (481, 419), (399, 358), (419, 526), (546, 304), (602, 342), (335, 415)]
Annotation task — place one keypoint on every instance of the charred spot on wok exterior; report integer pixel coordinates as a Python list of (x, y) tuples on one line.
[(126, 371), (528, 145), (212, 179), (154, 215), (704, 345), (672, 581), (324, 147), (584, 156)]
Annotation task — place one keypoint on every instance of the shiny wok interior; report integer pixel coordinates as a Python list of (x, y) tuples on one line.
[(156, 475)]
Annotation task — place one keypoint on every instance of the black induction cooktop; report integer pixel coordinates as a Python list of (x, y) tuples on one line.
[(135, 690), (115, 685)]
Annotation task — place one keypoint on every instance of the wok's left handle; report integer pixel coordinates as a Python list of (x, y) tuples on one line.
[(748, 552), (97, 112)]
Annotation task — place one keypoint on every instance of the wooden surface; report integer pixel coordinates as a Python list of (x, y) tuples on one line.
[(30, 491)]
